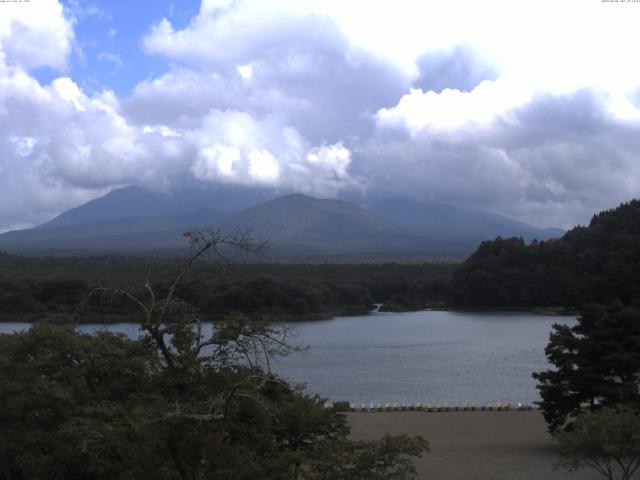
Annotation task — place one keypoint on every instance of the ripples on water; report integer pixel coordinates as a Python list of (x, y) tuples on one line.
[(425, 356)]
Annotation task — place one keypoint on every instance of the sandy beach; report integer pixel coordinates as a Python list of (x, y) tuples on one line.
[(475, 445)]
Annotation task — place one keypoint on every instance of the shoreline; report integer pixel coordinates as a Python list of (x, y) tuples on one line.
[(419, 407), (93, 318), (293, 318)]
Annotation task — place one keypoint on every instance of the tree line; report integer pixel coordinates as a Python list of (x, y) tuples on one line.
[(31, 287)]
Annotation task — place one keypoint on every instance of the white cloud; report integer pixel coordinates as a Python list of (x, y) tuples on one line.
[(245, 71), (68, 91), (263, 166), (23, 146), (452, 109), (333, 158), (215, 163), (34, 34), (558, 44), (235, 147), (163, 130), (213, 6), (516, 107)]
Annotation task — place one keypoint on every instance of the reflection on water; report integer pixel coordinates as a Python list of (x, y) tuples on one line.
[(423, 356)]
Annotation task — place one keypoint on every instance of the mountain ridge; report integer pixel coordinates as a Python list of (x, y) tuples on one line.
[(141, 202), (297, 225), (440, 220)]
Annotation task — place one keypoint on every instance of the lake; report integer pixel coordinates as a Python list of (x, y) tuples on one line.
[(427, 356)]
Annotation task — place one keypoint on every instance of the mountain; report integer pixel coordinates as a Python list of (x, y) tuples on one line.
[(133, 219), (134, 201), (294, 225), (128, 233), (441, 221), (303, 225)]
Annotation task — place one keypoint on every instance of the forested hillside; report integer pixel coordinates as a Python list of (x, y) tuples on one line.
[(597, 263)]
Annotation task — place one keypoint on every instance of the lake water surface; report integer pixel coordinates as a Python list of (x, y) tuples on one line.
[(427, 356)]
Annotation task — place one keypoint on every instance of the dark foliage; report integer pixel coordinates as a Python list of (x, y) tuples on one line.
[(386, 459), (607, 441), (175, 404), (597, 263), (597, 364), (31, 286), (75, 406)]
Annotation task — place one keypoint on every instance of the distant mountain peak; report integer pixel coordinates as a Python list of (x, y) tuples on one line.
[(136, 201), (442, 221), (295, 196), (299, 225), (299, 219)]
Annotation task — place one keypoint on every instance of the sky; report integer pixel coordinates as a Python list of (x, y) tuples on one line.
[(530, 109)]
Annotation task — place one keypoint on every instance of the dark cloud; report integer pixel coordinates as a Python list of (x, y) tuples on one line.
[(459, 69), (337, 88), (552, 161), (548, 118)]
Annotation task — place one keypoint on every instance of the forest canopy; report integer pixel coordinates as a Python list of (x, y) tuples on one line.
[(31, 287), (598, 263)]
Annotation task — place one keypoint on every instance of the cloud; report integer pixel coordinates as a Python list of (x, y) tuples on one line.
[(412, 99), (35, 34), (234, 147), (81, 10), (471, 109), (457, 68), (453, 109), (113, 58), (543, 159), (301, 67), (64, 145), (59, 146)]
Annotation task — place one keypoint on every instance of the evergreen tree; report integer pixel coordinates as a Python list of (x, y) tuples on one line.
[(597, 364), (598, 263)]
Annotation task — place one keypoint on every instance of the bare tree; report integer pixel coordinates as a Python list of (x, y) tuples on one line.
[(175, 330)]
